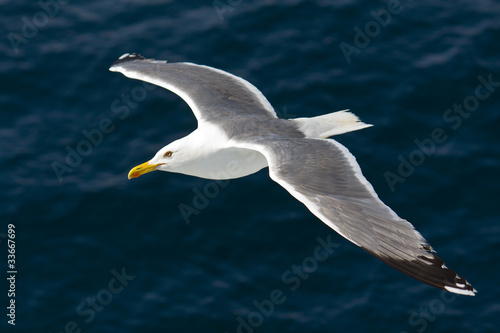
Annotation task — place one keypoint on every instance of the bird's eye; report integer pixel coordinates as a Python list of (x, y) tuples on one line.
[(168, 154)]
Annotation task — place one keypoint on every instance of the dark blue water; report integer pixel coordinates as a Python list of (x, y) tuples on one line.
[(95, 252)]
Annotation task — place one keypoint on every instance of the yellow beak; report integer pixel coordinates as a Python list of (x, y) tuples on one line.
[(142, 169)]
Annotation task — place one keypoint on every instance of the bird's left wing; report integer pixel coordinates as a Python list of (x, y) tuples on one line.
[(211, 93), (325, 176)]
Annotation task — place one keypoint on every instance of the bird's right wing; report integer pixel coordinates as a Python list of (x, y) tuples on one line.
[(325, 176), (212, 94)]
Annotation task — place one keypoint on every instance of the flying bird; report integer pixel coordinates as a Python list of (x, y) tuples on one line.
[(239, 134)]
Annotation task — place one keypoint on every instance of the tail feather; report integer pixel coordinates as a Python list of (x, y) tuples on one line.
[(335, 123)]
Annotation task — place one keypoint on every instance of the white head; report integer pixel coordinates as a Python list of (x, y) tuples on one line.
[(173, 158), (199, 154)]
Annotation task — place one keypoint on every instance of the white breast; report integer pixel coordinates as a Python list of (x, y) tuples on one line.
[(230, 163), (214, 158)]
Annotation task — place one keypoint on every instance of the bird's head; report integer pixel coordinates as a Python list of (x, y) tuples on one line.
[(169, 158)]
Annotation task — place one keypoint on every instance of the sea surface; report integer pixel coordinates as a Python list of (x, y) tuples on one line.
[(96, 252)]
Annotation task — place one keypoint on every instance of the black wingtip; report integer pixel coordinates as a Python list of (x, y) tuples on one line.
[(128, 57), (432, 271)]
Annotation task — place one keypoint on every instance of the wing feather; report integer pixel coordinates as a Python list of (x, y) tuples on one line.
[(325, 176), (211, 93)]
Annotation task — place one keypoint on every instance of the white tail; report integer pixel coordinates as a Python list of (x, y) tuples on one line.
[(335, 123)]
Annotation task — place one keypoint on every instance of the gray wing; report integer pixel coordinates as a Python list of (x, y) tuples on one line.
[(325, 176), (211, 93)]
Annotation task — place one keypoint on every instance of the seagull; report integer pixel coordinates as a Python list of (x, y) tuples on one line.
[(239, 134)]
